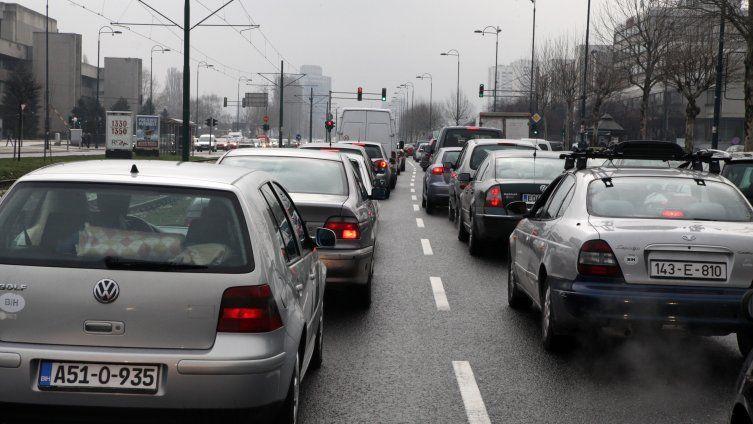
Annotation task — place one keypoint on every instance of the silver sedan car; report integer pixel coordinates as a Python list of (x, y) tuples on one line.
[(634, 249), (111, 295)]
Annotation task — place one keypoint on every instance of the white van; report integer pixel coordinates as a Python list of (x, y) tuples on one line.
[(368, 124)]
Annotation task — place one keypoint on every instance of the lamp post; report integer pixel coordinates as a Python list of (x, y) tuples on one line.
[(238, 102), (102, 30), (431, 96), (412, 92), (201, 64), (533, 58), (496, 30), (156, 48), (47, 80), (585, 79), (454, 52)]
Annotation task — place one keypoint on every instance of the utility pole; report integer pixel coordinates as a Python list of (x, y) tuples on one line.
[(186, 142), (282, 101), (47, 80), (585, 79), (718, 87), (533, 58), (311, 115)]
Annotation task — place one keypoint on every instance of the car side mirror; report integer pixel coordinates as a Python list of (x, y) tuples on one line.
[(447, 167), (517, 208), (464, 177), (378, 193), (392, 160), (325, 237)]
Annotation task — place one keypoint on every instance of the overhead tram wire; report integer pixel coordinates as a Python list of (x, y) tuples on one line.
[(266, 39)]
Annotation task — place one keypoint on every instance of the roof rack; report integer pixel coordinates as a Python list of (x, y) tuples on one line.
[(648, 150)]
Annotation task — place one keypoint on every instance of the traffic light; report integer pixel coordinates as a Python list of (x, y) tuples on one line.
[(243, 102), (208, 122), (534, 130), (360, 93), (384, 94), (481, 90), (214, 122), (224, 102), (329, 124), (265, 127)]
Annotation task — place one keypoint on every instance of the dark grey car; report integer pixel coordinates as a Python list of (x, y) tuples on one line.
[(437, 178), (329, 194)]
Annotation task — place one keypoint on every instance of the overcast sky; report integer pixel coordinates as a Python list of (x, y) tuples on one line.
[(371, 43)]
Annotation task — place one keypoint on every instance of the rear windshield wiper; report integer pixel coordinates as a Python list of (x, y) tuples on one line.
[(119, 263)]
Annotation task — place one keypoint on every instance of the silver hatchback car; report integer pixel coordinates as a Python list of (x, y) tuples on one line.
[(115, 293), (634, 249)]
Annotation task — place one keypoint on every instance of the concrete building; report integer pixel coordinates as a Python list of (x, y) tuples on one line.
[(122, 79), (510, 82), (321, 84), (66, 81)]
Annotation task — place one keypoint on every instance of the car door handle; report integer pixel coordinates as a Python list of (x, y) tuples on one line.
[(299, 287)]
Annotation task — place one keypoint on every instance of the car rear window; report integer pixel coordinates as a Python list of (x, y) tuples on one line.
[(373, 151), (119, 226), (450, 156), (667, 198), (298, 175), (529, 168), (457, 137), (741, 175), (480, 152)]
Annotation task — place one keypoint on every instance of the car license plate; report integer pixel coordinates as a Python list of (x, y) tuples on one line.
[(105, 377), (530, 198), (689, 270)]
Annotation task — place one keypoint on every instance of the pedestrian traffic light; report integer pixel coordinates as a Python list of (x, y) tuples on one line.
[(208, 122), (224, 102), (329, 124), (360, 93), (481, 90), (384, 94)]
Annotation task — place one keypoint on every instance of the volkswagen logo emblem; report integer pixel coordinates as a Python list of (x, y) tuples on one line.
[(543, 187), (106, 290), (688, 237)]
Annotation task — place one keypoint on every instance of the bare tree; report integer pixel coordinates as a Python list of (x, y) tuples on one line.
[(565, 81), (605, 81), (543, 79), (451, 109), (641, 31), (171, 97)]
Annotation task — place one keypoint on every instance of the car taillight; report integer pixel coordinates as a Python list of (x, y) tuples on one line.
[(248, 309), (597, 259), (493, 198), (437, 170), (381, 164), (671, 213), (344, 228)]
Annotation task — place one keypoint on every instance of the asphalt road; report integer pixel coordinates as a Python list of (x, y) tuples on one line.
[(411, 358)]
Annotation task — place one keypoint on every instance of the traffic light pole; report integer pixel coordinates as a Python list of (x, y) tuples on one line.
[(718, 87), (282, 101), (311, 115), (186, 145)]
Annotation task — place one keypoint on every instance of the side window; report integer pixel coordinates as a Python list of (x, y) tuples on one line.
[(299, 226), (461, 158), (539, 208), (566, 202), (481, 174), (284, 229), (558, 197), (362, 192)]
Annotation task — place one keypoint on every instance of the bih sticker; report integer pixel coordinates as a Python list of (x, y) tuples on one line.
[(12, 303), (631, 260)]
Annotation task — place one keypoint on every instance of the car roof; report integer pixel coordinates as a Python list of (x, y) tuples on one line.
[(149, 172), (607, 172), (741, 157), (526, 154), (356, 142), (450, 149), (284, 152), (333, 145), (487, 141), (470, 127)]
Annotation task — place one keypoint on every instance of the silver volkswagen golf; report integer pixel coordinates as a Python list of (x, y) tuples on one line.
[(633, 249), (112, 284)]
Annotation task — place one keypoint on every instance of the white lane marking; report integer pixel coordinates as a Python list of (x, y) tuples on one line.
[(474, 403), (412, 166), (415, 208), (412, 184), (419, 223), (413, 190), (413, 198), (427, 247), (440, 298)]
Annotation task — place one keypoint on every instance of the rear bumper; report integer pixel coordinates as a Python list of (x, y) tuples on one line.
[(617, 304), (438, 192), (496, 227), (352, 266), (219, 378)]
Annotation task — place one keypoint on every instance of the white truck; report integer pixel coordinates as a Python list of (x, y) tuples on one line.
[(368, 124), (514, 125)]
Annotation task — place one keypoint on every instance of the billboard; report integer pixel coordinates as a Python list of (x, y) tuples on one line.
[(119, 131), (257, 99), (147, 132)]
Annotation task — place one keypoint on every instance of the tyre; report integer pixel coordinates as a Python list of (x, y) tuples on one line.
[(475, 243), (516, 299), (363, 293), (550, 340), (402, 166), (393, 183), (744, 342), (429, 206), (462, 233), (289, 412), (450, 212), (318, 356)]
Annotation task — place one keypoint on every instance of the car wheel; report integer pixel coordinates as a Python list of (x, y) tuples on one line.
[(550, 340), (429, 206), (516, 299), (364, 292), (475, 243), (744, 342), (318, 356), (462, 233), (450, 212), (402, 166), (289, 412), (393, 183)]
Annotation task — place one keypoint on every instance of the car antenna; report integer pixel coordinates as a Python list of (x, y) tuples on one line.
[(134, 170)]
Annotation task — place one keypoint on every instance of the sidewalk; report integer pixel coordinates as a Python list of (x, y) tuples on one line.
[(35, 148)]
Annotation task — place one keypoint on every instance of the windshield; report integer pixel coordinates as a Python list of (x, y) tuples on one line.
[(457, 137), (84, 225), (450, 156), (667, 198), (298, 175), (480, 152), (741, 175), (529, 168)]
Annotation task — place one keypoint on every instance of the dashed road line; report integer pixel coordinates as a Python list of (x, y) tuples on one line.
[(419, 223), (412, 184), (440, 298), (415, 208), (474, 403), (413, 190), (413, 198), (426, 246)]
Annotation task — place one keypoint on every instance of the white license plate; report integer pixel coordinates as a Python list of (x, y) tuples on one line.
[(107, 377), (689, 270), (531, 198)]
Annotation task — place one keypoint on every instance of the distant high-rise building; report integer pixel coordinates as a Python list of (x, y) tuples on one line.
[(510, 82), (321, 84), (122, 79)]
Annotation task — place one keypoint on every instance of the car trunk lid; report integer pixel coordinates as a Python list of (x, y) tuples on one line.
[(522, 190), (317, 208)]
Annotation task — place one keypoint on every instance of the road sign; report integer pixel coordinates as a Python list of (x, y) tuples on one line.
[(119, 131), (265, 119), (536, 118), (257, 99), (23, 106), (297, 137)]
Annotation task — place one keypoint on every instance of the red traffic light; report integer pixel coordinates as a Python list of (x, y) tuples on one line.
[(360, 93)]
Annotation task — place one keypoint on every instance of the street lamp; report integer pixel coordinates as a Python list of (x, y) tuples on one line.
[(454, 52), (533, 58), (431, 95), (496, 30), (412, 87), (102, 30), (238, 102), (160, 49), (201, 64)]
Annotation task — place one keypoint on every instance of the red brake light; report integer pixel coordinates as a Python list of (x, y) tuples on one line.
[(669, 213), (494, 198), (597, 259), (437, 170), (381, 164), (473, 128), (344, 228), (248, 309)]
